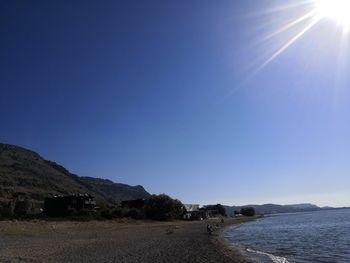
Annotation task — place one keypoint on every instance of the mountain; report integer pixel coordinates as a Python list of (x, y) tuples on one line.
[(25, 172), (303, 206), (112, 191), (276, 209)]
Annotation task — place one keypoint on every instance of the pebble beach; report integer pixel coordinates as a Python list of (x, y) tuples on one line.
[(116, 241)]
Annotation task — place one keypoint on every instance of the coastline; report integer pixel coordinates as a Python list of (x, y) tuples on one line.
[(115, 241), (227, 248)]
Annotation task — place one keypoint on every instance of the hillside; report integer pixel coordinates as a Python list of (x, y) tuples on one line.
[(26, 172), (113, 191)]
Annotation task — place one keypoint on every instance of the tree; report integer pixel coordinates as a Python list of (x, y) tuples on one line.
[(163, 207), (248, 211)]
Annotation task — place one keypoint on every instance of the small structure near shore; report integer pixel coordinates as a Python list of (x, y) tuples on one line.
[(19, 205), (60, 205), (193, 212)]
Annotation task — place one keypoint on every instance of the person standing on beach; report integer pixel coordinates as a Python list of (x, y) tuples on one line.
[(209, 229)]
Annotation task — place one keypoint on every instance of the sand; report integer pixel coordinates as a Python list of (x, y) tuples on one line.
[(115, 241)]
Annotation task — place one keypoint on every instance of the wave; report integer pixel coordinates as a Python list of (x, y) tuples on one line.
[(275, 259)]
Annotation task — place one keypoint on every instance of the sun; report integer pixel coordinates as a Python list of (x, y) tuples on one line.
[(338, 10), (312, 12)]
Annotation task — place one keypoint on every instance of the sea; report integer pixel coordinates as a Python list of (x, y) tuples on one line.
[(322, 236)]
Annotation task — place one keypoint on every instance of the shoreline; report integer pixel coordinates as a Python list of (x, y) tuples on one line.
[(229, 249), (113, 241)]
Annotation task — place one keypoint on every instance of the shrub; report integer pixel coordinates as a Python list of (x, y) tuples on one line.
[(71, 211), (21, 208), (135, 213), (6, 210), (106, 213), (119, 212), (83, 212), (248, 211), (162, 207)]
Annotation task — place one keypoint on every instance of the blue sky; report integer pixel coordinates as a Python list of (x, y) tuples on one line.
[(176, 96)]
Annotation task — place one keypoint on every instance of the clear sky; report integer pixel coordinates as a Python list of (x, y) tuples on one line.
[(197, 99)]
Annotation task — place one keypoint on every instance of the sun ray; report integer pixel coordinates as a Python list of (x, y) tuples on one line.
[(313, 22), (310, 14)]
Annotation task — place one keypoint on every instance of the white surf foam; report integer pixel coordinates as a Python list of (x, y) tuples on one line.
[(275, 259)]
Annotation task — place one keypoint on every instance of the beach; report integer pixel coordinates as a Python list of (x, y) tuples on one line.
[(116, 241)]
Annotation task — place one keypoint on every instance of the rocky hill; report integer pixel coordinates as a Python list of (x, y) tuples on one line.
[(26, 173)]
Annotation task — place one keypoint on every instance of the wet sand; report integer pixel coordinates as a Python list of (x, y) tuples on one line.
[(113, 241)]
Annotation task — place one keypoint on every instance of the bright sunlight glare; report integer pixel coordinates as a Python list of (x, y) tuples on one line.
[(339, 10), (336, 10)]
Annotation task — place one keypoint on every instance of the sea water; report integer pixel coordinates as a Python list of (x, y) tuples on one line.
[(322, 236)]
